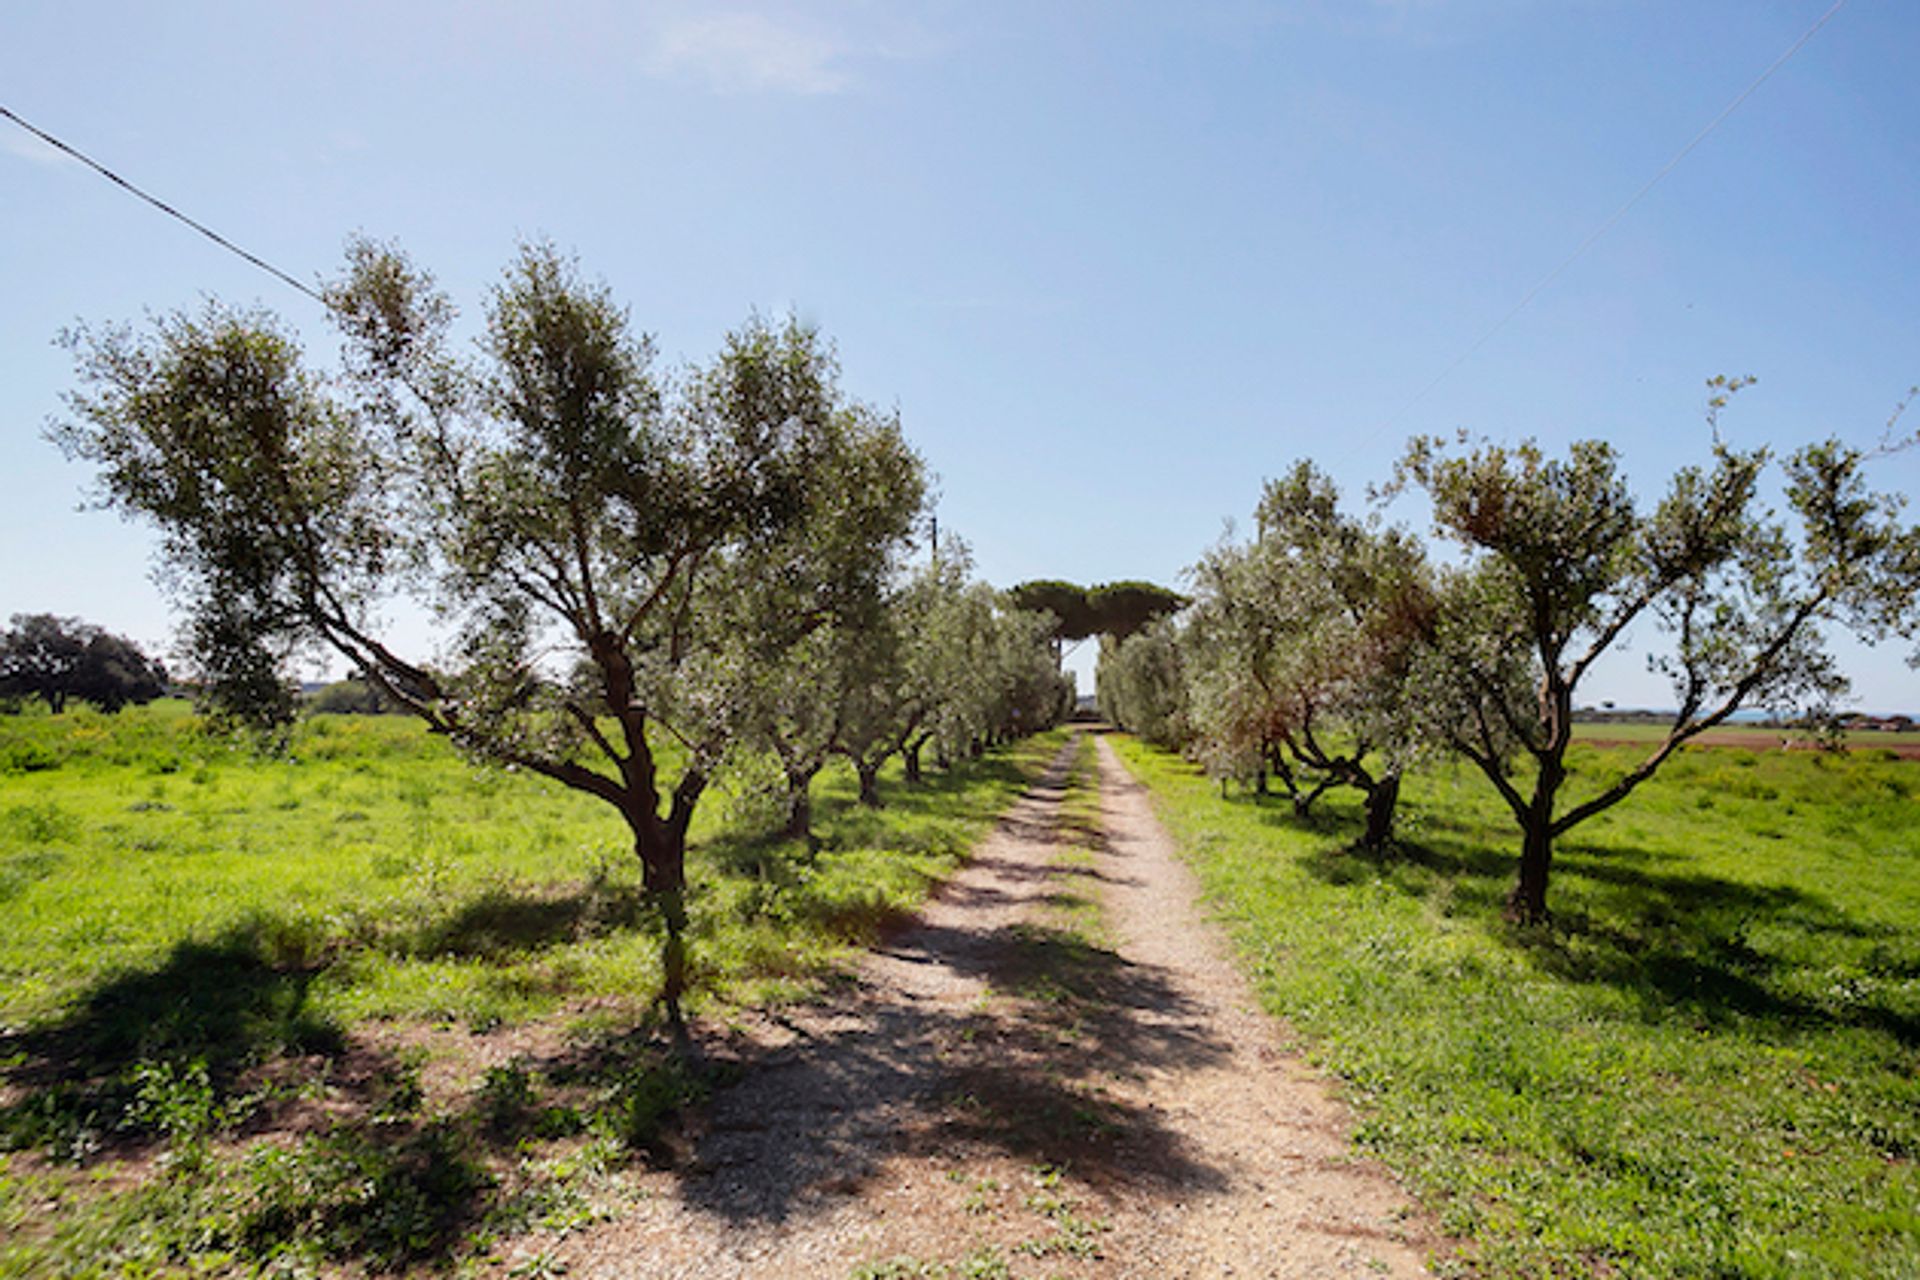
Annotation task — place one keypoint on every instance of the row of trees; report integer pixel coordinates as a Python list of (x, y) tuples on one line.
[(937, 661), (1333, 650), (639, 576)]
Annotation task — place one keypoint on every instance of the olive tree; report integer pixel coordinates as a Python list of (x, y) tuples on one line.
[(1140, 683), (1029, 691), (1299, 647), (1561, 561), (903, 668), (839, 578), (572, 519), (998, 678)]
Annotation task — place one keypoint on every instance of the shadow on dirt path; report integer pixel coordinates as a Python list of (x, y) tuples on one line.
[(1042, 1077)]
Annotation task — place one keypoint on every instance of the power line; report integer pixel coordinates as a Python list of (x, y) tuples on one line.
[(1601, 230), (161, 205)]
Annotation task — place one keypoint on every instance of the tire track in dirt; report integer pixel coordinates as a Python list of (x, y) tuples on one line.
[(995, 1094)]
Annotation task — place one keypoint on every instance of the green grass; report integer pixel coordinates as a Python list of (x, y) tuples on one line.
[(1708, 1067), (394, 879), (201, 942), (1635, 732), (1071, 910)]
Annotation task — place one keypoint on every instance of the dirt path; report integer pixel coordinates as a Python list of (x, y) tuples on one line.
[(1024, 1085)]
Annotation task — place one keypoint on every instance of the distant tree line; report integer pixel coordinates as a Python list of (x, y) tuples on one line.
[(1116, 609), (1331, 650), (640, 576), (352, 696), (62, 660)]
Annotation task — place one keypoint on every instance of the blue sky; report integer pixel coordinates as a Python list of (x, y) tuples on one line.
[(1114, 264)]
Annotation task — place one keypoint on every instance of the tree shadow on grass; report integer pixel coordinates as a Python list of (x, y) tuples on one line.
[(1680, 942), (226, 1001), (1723, 951), (1277, 809), (208, 1012), (219, 1042), (212, 1014), (1411, 863), (507, 922)]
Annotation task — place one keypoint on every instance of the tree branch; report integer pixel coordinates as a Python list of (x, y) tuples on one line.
[(667, 577), (1685, 728), (1489, 761), (380, 666), (1603, 640), (586, 721)]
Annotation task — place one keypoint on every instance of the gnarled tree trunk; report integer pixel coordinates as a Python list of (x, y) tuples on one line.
[(661, 845), (1527, 903), (799, 809), (1382, 799), (662, 848)]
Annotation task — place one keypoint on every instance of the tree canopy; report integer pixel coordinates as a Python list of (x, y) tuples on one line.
[(1116, 609), (1300, 648), (1562, 561), (1073, 614), (1122, 608), (58, 660), (583, 528)]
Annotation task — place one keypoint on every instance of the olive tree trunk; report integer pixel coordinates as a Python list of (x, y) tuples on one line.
[(1527, 903), (660, 842), (1383, 798)]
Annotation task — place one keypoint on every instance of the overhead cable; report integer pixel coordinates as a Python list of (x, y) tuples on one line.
[(161, 205)]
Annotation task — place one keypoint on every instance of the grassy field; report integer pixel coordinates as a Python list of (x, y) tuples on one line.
[(1709, 1066), (1745, 735), (404, 1006)]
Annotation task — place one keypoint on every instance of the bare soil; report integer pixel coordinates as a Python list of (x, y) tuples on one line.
[(992, 1094)]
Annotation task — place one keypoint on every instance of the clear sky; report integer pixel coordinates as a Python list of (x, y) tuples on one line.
[(1114, 263)]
